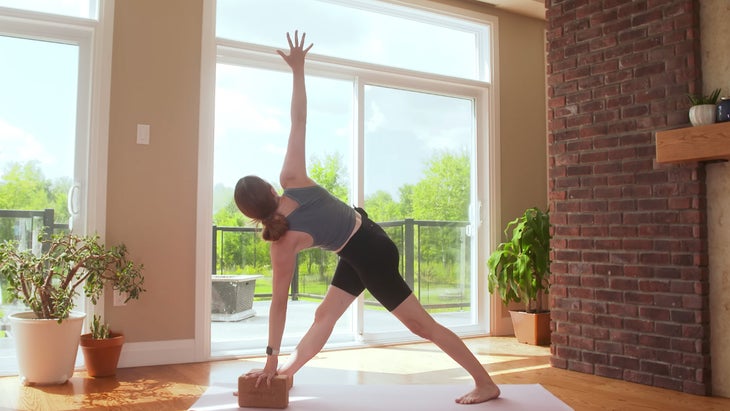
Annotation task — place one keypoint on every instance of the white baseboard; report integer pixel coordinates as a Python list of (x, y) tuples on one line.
[(157, 353)]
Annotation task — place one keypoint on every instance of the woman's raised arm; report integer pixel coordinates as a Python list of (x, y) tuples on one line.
[(294, 170)]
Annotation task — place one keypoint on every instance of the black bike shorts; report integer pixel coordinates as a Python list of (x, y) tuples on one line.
[(370, 261)]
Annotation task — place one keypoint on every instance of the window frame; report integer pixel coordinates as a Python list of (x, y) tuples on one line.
[(94, 40), (485, 173)]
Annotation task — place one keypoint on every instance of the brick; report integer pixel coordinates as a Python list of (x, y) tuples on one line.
[(595, 358), (580, 366), (624, 362), (264, 396), (648, 300), (638, 377), (655, 367), (654, 314), (667, 382), (609, 372), (624, 336), (609, 347)]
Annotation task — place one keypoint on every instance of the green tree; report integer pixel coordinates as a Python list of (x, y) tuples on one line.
[(24, 187), (406, 200), (443, 193), (381, 207), (331, 174)]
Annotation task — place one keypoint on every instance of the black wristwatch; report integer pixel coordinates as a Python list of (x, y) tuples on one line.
[(271, 351)]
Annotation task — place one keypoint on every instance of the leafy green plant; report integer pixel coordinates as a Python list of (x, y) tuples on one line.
[(700, 99), (519, 268), (99, 330), (47, 283)]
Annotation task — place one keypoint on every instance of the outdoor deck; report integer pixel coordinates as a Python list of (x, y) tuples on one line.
[(230, 338)]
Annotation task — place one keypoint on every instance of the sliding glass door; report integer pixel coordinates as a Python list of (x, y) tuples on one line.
[(398, 101), (418, 161), (48, 125)]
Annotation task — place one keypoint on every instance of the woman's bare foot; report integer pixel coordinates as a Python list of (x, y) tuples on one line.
[(479, 394)]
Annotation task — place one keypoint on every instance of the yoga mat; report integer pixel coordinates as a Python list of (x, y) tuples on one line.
[(368, 397)]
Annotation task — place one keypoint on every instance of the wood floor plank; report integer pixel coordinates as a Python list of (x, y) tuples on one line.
[(177, 387)]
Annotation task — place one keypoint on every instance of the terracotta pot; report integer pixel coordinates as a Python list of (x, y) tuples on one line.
[(101, 356), (531, 328)]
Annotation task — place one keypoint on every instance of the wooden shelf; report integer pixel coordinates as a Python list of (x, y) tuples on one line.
[(701, 143)]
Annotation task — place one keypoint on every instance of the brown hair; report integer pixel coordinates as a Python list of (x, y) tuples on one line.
[(256, 201)]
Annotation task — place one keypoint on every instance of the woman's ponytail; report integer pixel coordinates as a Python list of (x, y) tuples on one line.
[(275, 226)]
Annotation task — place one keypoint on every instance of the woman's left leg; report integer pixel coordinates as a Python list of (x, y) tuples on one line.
[(412, 314)]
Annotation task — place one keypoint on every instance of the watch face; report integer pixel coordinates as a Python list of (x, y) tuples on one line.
[(269, 351)]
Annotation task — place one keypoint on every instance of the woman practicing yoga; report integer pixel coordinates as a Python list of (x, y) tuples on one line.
[(307, 216)]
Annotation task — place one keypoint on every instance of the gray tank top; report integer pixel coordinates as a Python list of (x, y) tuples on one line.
[(323, 216)]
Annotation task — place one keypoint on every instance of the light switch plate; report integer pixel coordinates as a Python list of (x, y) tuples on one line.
[(143, 133)]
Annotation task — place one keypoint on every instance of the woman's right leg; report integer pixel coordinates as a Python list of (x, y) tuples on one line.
[(329, 311), (412, 314)]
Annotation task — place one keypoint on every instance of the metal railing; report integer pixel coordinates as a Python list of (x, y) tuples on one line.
[(24, 226), (408, 234), (417, 248)]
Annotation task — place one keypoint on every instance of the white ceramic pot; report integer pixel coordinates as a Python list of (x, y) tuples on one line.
[(702, 114), (46, 349)]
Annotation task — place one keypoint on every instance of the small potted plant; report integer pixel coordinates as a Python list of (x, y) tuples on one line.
[(704, 108), (47, 337), (101, 349), (519, 271)]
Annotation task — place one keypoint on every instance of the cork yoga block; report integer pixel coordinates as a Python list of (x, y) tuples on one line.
[(274, 396)]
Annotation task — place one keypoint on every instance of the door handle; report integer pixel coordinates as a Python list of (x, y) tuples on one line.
[(72, 204)]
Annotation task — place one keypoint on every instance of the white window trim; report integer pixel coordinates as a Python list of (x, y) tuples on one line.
[(94, 39)]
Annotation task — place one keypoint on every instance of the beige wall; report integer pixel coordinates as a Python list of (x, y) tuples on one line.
[(523, 130), (152, 189), (714, 15)]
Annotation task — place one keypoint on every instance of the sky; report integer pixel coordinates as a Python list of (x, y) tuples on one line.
[(402, 129), (38, 104)]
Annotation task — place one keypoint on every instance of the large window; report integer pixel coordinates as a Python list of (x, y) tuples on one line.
[(398, 101), (86, 9), (367, 31), (51, 113)]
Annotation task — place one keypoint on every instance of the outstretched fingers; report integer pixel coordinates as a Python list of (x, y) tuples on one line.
[(296, 47)]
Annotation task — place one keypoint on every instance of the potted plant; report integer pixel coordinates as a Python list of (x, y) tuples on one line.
[(704, 108), (101, 349), (519, 270), (47, 337)]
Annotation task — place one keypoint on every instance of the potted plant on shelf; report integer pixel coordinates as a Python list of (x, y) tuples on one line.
[(101, 349), (47, 337), (519, 271), (704, 108)]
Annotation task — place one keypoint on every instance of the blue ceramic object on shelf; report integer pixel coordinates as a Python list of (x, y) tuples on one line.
[(723, 110)]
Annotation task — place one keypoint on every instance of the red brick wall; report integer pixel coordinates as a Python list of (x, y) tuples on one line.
[(630, 283)]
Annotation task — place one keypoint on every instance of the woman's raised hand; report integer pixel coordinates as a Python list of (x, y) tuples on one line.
[(297, 52)]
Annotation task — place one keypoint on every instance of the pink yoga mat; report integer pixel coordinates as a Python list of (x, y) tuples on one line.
[(369, 397)]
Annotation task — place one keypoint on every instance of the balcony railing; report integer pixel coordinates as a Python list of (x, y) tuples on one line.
[(435, 256), (24, 226), (435, 261)]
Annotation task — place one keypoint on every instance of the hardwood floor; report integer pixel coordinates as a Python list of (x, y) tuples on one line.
[(177, 387)]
